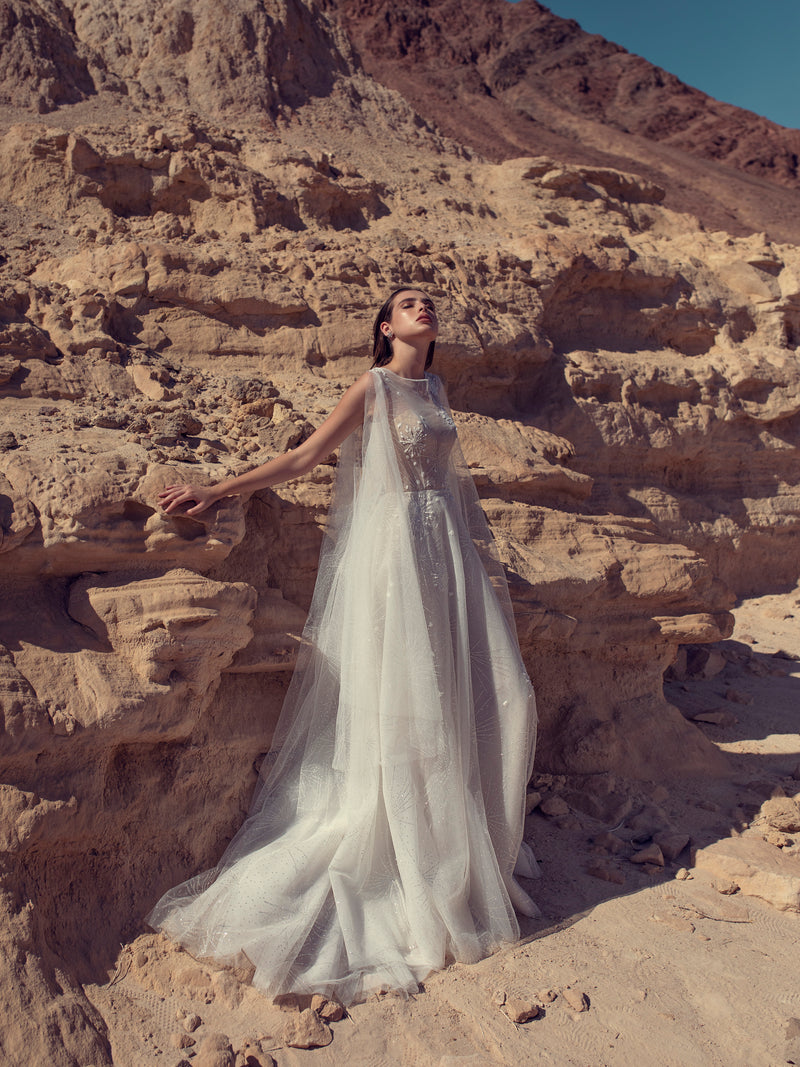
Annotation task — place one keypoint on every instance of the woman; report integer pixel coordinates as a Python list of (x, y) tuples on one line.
[(383, 839)]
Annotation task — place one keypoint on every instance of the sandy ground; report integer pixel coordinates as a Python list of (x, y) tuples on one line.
[(677, 971)]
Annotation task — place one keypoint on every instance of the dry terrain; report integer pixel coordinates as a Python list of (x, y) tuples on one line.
[(200, 210)]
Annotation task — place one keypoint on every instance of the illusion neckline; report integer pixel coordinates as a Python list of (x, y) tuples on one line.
[(402, 377)]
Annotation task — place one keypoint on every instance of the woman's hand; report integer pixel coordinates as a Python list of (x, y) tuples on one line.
[(174, 495), (345, 417)]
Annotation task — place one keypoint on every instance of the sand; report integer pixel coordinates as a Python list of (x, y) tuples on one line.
[(678, 966)]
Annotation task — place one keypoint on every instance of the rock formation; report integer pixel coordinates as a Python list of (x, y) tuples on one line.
[(519, 80), (200, 214)]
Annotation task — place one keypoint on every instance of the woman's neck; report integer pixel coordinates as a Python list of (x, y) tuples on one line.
[(408, 360)]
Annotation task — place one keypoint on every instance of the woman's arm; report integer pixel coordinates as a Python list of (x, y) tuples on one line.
[(345, 417)]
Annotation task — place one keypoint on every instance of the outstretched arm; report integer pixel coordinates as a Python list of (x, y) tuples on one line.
[(345, 417)]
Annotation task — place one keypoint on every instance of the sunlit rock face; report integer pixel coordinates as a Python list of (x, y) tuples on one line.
[(200, 215)]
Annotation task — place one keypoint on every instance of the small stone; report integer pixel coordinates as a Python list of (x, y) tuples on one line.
[(554, 805), (252, 1054), (499, 998), (650, 854), (683, 875), (214, 1051), (576, 999), (546, 996), (783, 654), (781, 813), (532, 801), (328, 1008), (307, 1031), (727, 889), (191, 1022), (182, 1041), (520, 1009), (671, 843)]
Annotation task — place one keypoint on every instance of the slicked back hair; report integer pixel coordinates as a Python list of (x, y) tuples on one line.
[(381, 345)]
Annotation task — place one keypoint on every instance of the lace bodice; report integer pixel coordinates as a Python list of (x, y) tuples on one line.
[(423, 431)]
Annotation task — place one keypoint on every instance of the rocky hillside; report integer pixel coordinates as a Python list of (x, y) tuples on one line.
[(514, 79), (200, 211)]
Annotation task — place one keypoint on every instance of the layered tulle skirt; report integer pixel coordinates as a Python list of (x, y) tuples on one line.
[(383, 836)]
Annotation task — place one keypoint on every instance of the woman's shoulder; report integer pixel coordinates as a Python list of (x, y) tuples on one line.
[(362, 384)]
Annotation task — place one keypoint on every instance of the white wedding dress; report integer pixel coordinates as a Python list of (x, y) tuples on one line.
[(387, 824)]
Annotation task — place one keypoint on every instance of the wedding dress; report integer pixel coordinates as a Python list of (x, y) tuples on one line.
[(383, 837)]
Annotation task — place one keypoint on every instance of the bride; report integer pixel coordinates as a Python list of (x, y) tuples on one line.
[(386, 828)]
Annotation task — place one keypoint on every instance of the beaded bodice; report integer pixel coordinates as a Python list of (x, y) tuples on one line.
[(423, 431)]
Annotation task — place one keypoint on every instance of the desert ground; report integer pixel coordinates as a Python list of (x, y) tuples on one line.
[(689, 962)]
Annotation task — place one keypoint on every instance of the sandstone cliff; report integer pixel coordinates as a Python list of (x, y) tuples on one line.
[(200, 214)]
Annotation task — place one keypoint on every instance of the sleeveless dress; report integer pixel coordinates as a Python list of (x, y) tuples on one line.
[(383, 837)]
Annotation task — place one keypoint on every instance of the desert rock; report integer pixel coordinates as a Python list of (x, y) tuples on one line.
[(756, 868), (781, 813), (214, 1051), (649, 854), (575, 998), (671, 843), (307, 1031), (329, 1009)]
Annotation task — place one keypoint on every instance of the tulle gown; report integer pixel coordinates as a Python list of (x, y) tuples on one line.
[(387, 824)]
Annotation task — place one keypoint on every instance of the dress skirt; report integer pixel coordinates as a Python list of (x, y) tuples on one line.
[(383, 837)]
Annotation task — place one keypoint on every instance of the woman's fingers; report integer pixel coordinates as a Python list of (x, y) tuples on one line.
[(198, 508), (175, 490), (175, 495)]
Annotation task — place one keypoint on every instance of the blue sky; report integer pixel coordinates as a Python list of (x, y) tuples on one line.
[(744, 52)]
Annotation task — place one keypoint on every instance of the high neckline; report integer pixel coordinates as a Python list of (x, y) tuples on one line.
[(402, 377)]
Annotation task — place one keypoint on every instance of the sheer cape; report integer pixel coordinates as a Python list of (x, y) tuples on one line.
[(383, 835)]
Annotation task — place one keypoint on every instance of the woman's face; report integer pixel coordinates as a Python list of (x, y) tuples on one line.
[(413, 317)]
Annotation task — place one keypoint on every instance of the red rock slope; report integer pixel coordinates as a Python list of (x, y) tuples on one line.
[(511, 79)]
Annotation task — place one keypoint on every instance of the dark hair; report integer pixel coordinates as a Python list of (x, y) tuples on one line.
[(381, 346)]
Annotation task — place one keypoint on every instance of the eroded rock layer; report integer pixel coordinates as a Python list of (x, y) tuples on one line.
[(198, 224)]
